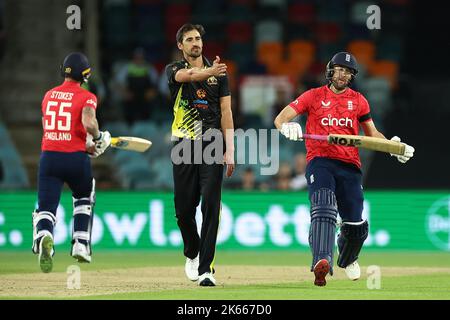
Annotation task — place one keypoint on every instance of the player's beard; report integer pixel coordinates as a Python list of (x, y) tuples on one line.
[(195, 52), (340, 85)]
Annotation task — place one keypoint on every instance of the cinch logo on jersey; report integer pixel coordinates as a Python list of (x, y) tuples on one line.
[(341, 122)]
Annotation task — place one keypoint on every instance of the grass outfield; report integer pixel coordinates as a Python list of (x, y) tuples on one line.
[(240, 275)]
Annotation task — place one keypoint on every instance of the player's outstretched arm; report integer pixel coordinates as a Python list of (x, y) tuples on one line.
[(197, 74), (89, 120), (291, 130), (101, 140), (408, 154), (371, 131)]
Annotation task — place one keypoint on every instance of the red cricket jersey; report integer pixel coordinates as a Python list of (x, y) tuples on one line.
[(61, 117), (329, 112)]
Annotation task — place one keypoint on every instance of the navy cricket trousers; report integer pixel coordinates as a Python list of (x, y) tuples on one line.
[(55, 168), (344, 179)]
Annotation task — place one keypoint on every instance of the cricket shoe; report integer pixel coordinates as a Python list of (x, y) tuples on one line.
[(353, 271), (46, 253), (191, 268), (80, 252), (206, 280), (321, 270)]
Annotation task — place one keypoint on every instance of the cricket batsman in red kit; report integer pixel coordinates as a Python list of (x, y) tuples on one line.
[(333, 172), (68, 116)]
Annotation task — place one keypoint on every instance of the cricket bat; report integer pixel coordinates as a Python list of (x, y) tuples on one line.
[(371, 143), (131, 143)]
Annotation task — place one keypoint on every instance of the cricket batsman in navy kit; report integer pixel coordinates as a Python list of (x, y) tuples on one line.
[(68, 118), (333, 172)]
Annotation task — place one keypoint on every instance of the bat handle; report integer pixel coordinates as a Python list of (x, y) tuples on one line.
[(114, 141), (315, 137)]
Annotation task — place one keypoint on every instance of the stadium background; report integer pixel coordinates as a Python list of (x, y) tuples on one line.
[(406, 84)]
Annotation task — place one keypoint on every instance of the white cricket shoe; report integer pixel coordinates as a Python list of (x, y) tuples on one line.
[(191, 268), (46, 253), (206, 280), (353, 271), (80, 252)]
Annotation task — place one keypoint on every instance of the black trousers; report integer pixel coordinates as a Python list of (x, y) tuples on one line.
[(193, 182)]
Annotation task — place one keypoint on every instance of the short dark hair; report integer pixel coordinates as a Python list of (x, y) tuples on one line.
[(188, 27)]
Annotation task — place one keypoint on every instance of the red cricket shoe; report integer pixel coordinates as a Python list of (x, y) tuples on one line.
[(321, 270)]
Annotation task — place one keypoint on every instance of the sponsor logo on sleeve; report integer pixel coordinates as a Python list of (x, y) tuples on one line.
[(91, 102)]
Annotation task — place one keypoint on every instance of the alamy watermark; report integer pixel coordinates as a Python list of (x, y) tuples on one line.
[(374, 20), (373, 277), (74, 277), (73, 21), (252, 147)]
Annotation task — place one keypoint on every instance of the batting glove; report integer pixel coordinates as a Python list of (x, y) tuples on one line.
[(101, 143), (409, 151), (292, 131)]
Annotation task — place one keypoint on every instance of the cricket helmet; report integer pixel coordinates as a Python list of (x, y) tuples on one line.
[(344, 59), (76, 66)]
